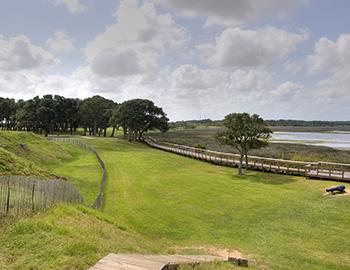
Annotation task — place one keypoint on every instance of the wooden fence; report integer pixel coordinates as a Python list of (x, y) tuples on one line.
[(21, 194), (322, 170), (98, 203)]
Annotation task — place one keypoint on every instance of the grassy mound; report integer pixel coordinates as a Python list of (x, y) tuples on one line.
[(65, 237), (32, 147), (12, 164), (24, 153)]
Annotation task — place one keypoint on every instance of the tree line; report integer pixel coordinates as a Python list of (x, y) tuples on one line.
[(54, 113), (303, 123), (191, 124)]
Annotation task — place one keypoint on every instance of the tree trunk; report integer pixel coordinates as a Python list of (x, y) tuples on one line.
[(95, 129), (240, 170), (105, 132), (112, 135), (246, 160)]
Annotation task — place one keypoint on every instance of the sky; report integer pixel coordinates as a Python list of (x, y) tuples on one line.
[(281, 59)]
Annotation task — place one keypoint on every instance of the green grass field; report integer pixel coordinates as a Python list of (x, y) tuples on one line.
[(279, 221), (158, 202), (65, 237)]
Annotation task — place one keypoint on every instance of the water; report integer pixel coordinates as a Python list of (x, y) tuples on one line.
[(335, 139)]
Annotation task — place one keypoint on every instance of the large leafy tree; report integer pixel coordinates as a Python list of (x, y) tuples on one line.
[(113, 119), (27, 114), (46, 113), (244, 132), (138, 116), (95, 113), (72, 113), (7, 112)]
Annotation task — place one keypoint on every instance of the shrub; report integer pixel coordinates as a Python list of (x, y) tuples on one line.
[(200, 146)]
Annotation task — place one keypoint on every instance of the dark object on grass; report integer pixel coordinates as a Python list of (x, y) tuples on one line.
[(238, 261), (338, 189)]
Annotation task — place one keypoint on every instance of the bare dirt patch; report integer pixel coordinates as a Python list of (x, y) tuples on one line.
[(330, 195), (212, 250)]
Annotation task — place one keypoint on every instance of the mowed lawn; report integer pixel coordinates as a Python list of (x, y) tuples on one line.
[(277, 221)]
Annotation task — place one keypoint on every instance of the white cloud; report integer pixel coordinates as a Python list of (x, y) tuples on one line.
[(333, 58), (287, 91), (237, 47), (190, 81), (215, 93), (61, 43), (293, 67), (329, 55), (26, 84), (337, 86), (250, 80), (73, 6), (135, 44), (247, 85), (18, 53), (112, 63), (231, 12)]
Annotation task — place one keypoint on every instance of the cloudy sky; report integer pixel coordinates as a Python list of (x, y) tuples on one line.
[(195, 58)]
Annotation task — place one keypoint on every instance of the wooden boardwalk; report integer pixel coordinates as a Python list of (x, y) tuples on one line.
[(150, 262), (321, 170)]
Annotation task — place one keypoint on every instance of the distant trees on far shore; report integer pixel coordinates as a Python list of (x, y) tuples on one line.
[(190, 124), (54, 113)]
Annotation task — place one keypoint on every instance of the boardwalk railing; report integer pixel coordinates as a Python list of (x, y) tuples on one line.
[(98, 203), (322, 170), (21, 194)]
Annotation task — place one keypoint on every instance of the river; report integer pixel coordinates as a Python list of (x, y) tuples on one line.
[(335, 139)]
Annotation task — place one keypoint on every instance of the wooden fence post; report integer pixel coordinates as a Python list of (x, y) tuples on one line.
[(8, 196), (33, 193)]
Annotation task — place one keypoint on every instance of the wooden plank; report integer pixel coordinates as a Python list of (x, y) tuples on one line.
[(148, 262), (137, 260)]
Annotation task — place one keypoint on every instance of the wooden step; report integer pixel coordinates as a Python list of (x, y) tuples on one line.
[(149, 262)]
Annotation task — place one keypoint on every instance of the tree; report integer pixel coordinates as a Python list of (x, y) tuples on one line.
[(7, 112), (46, 113), (27, 114), (95, 113), (113, 120), (72, 113), (138, 116), (244, 132)]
